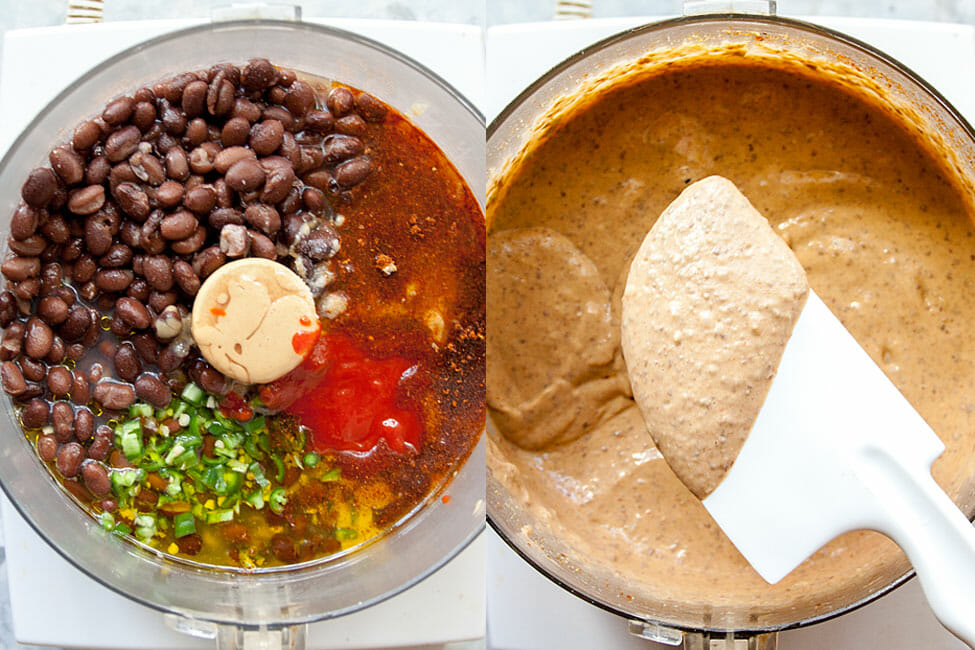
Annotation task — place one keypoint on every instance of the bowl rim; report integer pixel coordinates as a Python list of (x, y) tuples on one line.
[(662, 25), (452, 93)]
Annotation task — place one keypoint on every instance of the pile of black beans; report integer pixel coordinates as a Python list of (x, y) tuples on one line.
[(112, 241)]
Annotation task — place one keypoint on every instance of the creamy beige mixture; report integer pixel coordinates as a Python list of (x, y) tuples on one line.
[(246, 317), (885, 241), (709, 304)]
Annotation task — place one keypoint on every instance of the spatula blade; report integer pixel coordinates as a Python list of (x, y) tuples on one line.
[(829, 414)]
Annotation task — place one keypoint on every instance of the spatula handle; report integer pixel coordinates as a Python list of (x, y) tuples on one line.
[(937, 538)]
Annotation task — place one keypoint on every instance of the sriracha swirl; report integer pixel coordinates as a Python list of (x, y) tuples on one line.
[(348, 400)]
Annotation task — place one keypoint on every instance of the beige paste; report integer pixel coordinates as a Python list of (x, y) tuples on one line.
[(709, 304), (885, 241)]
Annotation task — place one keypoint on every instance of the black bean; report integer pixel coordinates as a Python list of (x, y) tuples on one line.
[(291, 227), (321, 122), (207, 261), (24, 222), (33, 369), (86, 135), (147, 168), (169, 194), (186, 278), (262, 246), (119, 111), (117, 327), (68, 165), (132, 200), (114, 395), (96, 478), (127, 364), (200, 199), (263, 217), (259, 75), (98, 234), (133, 313), (338, 148), (80, 389), (52, 310), (29, 247), (13, 340), (191, 244), (222, 216), (370, 108), (179, 225), (159, 300), (51, 277), (220, 95), (121, 173), (230, 156), (84, 424), (340, 101), (320, 244), (102, 443), (122, 143), (70, 457), (212, 381), (266, 137), (235, 132), (59, 381), (147, 347), (169, 360), (352, 172), (351, 125), (13, 378), (172, 119), (245, 176), (38, 338), (144, 115), (139, 289), (39, 188), (84, 269), (20, 268), (151, 389), (283, 548), (35, 415), (197, 132), (47, 445), (62, 419), (177, 164), (56, 354), (194, 98), (118, 256), (98, 170), (56, 229), (26, 289), (113, 280)]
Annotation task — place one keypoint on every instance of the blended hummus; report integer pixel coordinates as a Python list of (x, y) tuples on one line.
[(885, 239), (254, 320), (709, 304)]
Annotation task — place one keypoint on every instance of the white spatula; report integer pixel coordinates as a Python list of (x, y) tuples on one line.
[(837, 448)]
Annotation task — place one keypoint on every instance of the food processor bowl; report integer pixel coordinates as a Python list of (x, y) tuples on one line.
[(425, 539), (535, 114)]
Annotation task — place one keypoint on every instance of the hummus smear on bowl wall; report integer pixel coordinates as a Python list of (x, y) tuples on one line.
[(878, 223)]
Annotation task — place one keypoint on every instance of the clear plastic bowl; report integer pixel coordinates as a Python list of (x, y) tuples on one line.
[(935, 119), (421, 544)]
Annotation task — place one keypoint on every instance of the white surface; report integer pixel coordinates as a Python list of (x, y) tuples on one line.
[(448, 606), (517, 55)]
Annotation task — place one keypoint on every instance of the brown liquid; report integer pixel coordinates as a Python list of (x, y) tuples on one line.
[(883, 236)]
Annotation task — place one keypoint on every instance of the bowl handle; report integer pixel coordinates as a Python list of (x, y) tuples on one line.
[(668, 636), (232, 637), (757, 7)]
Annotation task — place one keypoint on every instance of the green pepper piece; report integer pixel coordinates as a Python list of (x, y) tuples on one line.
[(193, 394), (333, 474), (184, 524), (277, 500), (279, 468), (311, 459)]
